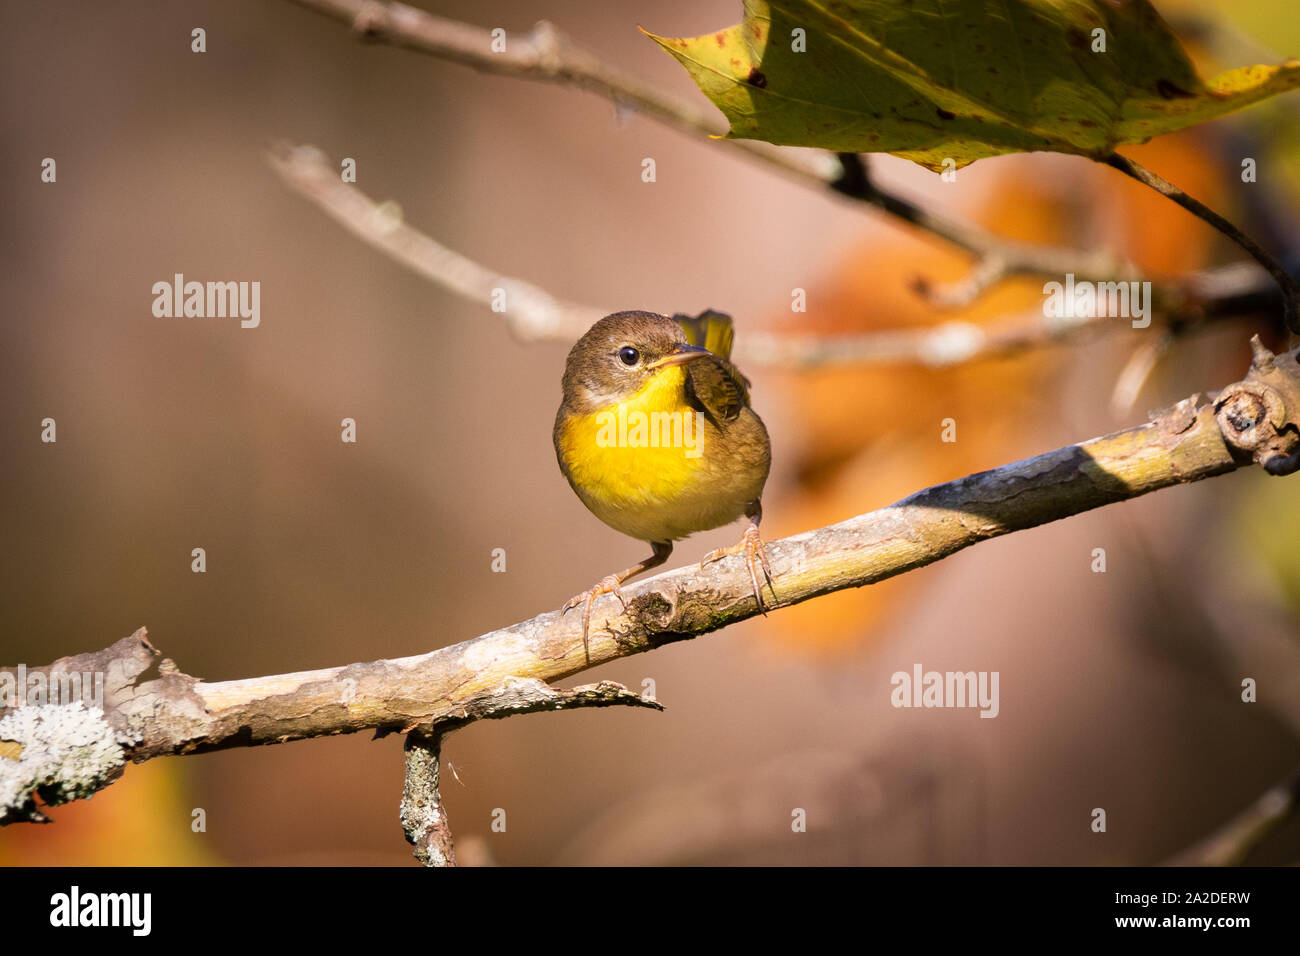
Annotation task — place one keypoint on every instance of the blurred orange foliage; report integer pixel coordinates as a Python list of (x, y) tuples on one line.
[(871, 434)]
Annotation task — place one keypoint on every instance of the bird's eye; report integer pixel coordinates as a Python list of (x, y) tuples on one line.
[(628, 355)]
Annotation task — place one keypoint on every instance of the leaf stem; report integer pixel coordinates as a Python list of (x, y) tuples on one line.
[(1290, 288)]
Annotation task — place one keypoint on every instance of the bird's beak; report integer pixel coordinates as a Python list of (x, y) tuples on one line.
[(680, 355)]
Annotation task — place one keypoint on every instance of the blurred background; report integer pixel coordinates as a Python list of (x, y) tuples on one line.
[(1118, 690)]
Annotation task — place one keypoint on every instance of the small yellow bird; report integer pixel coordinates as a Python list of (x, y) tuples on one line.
[(656, 436)]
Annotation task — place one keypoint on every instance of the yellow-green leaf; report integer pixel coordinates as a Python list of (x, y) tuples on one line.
[(959, 80)]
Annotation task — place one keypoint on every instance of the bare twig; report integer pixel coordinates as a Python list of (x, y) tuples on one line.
[(1141, 363), (531, 312), (535, 315), (996, 258), (1232, 843), (988, 272), (423, 818), (545, 53), (942, 346), (1290, 288), (504, 671)]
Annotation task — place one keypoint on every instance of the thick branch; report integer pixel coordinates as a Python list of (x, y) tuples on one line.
[(503, 671)]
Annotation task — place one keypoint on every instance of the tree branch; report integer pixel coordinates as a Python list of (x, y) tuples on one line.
[(546, 54), (423, 818), (504, 671), (996, 258), (1232, 843), (531, 312), (1290, 288), (535, 315)]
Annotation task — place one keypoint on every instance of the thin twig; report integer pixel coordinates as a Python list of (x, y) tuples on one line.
[(1233, 842), (996, 258), (535, 315), (424, 820), (1290, 288), (532, 313), (988, 272), (1141, 363), (547, 54), (942, 346)]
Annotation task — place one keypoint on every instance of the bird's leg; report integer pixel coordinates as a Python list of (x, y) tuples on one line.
[(751, 543), (612, 584)]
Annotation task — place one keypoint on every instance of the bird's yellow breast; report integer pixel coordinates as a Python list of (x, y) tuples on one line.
[(651, 466), (649, 447)]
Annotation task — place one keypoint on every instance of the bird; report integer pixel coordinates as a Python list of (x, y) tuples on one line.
[(656, 436)]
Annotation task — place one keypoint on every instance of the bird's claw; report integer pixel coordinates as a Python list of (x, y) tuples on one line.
[(755, 551), (607, 585)]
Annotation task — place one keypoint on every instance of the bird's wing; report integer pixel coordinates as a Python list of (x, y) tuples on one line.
[(713, 384)]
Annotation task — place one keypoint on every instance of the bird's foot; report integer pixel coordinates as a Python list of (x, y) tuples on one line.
[(755, 551), (608, 585)]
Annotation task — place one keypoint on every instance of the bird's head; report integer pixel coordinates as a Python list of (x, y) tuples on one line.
[(621, 355)]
